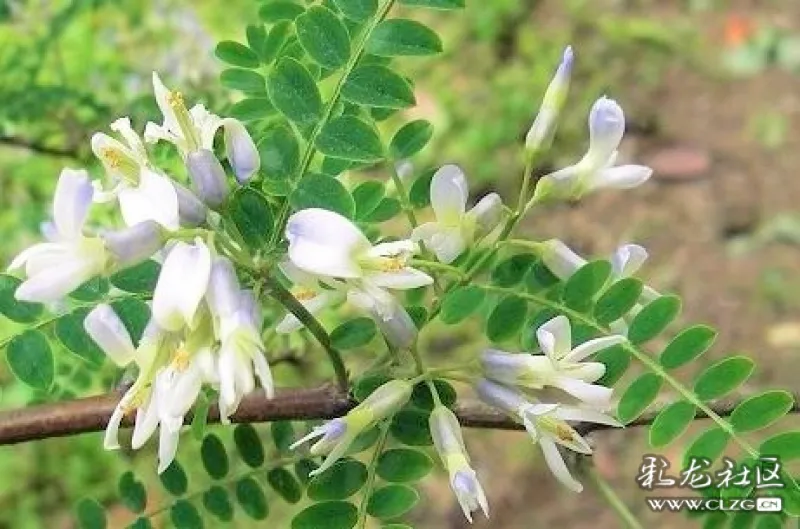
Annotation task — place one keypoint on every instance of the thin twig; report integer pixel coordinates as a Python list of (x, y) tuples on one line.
[(39, 148)]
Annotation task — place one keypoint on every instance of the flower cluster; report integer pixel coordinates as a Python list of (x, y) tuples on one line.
[(205, 328)]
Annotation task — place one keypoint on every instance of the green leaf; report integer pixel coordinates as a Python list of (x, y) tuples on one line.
[(618, 300), (342, 480), (638, 396), (785, 446), (403, 37), (328, 514), (303, 468), (760, 411), (256, 38), (671, 422), (364, 387), (387, 209), (723, 377), (272, 12), (215, 459), (354, 333), (320, 191), (252, 216), (200, 416), (403, 465), (90, 514), (410, 427), (392, 501), (249, 445), (31, 360), (367, 196), (92, 290), (282, 435), (174, 479), (410, 139), (140, 279), (237, 54), (350, 138), (280, 153), (511, 272), (378, 86), (616, 359), (653, 319), (436, 4), (252, 109), (582, 286), (461, 303), (18, 311), (506, 319), (276, 41), (251, 497), (710, 444), (70, 332), (217, 502), (357, 10), (324, 37), (421, 395), (294, 92), (184, 515), (285, 484), (141, 523), (135, 314), (132, 492), (687, 346), (243, 80)]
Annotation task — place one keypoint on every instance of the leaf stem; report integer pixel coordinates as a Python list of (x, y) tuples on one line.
[(611, 497), (371, 473)]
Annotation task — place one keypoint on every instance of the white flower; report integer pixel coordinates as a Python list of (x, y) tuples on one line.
[(56, 268), (449, 444), (456, 228), (242, 350), (181, 285), (547, 424), (543, 128), (309, 291), (143, 193), (561, 366), (393, 320), (596, 169)]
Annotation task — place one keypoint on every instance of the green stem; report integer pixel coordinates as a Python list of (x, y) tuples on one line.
[(311, 149), (371, 474), (424, 373), (285, 298), (434, 265), (612, 498)]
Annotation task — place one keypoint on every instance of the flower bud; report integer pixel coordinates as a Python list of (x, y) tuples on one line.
[(133, 245), (241, 150), (224, 291), (541, 132), (560, 259), (208, 177), (488, 213), (606, 128), (387, 399), (191, 211), (501, 397)]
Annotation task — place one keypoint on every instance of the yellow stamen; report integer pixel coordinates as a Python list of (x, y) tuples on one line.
[(181, 360), (392, 264), (112, 157), (564, 433), (303, 293), (175, 100)]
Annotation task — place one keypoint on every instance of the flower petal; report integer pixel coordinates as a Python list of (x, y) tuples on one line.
[(488, 213), (606, 128), (446, 242), (146, 422), (627, 259), (555, 337), (561, 260), (449, 194), (588, 348), (154, 198), (109, 332), (71, 203), (241, 151), (557, 465), (574, 414), (325, 243), (592, 394), (621, 177), (181, 285), (403, 279), (56, 282)]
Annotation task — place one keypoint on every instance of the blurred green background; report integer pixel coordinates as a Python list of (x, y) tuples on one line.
[(712, 94)]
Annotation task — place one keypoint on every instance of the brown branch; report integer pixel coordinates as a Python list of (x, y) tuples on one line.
[(39, 148), (325, 402)]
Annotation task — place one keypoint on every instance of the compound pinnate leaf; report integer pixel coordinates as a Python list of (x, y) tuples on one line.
[(671, 422), (760, 411), (367, 196), (403, 465), (616, 359), (280, 152), (31, 360), (135, 314), (506, 319), (248, 443), (582, 286), (272, 12), (653, 319), (392, 501), (92, 290), (237, 54), (252, 109), (324, 37), (342, 480), (294, 92), (638, 396), (350, 138), (282, 435), (403, 37), (251, 498), (243, 80), (687, 346), (285, 484), (90, 514), (723, 377), (70, 332), (303, 468), (132, 492), (18, 311), (421, 395), (354, 333), (387, 209), (139, 279), (511, 272), (410, 427), (785, 446), (709, 444), (214, 456), (618, 300), (252, 216), (410, 139), (378, 86), (436, 4), (461, 303), (357, 10), (184, 515), (328, 514), (217, 501), (320, 191), (174, 479)]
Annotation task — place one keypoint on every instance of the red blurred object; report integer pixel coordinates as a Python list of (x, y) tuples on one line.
[(738, 30)]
